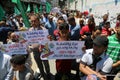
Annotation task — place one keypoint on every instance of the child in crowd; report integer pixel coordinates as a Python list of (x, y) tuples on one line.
[(21, 71)]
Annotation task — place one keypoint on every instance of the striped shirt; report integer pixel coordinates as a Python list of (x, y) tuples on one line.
[(114, 48)]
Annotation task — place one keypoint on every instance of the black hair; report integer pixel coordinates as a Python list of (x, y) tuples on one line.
[(71, 18), (19, 59), (61, 18), (64, 26), (118, 17), (107, 23), (97, 28)]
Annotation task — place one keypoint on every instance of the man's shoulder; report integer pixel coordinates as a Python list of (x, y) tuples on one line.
[(6, 56), (85, 27), (89, 51), (111, 37)]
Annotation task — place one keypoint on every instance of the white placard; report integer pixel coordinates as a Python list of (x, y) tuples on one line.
[(11, 49), (61, 49), (31, 37)]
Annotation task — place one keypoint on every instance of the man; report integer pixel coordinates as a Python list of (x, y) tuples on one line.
[(74, 35), (114, 50), (105, 19), (35, 23), (56, 31), (4, 31), (87, 29), (50, 25), (96, 61), (89, 39), (5, 67), (74, 29)]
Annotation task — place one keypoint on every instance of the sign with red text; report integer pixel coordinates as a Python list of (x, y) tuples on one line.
[(11, 49), (31, 37), (61, 49)]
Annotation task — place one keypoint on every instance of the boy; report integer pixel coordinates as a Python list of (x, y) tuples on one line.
[(21, 71)]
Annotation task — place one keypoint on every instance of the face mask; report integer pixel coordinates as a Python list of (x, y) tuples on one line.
[(14, 40)]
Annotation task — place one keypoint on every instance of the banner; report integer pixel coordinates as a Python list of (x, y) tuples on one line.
[(31, 37), (11, 49), (61, 49)]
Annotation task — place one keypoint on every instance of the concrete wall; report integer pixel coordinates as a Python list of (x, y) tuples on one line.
[(99, 7)]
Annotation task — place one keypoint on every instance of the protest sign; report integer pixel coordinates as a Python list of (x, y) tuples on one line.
[(61, 49), (11, 49), (31, 37)]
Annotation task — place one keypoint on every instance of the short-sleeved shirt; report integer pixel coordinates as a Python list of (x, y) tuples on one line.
[(113, 49), (86, 30), (106, 32), (104, 65)]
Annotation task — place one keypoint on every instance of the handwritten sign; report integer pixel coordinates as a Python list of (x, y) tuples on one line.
[(62, 50), (11, 49)]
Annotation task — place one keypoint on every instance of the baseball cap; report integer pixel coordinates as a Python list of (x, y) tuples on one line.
[(100, 41)]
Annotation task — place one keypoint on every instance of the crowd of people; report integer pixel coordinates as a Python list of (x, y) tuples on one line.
[(101, 51)]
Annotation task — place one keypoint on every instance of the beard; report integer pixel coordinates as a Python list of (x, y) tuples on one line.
[(118, 32), (118, 35)]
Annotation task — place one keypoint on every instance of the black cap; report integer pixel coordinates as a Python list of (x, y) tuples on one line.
[(100, 41)]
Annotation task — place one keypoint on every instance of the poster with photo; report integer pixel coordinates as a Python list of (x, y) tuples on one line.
[(31, 37), (11, 49), (61, 49)]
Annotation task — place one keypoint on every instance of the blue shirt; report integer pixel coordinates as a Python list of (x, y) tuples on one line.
[(51, 26), (74, 32)]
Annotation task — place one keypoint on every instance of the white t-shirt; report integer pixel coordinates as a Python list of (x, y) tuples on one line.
[(104, 65)]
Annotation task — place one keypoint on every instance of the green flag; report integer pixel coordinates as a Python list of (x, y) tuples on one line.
[(2, 13), (35, 7), (41, 9), (48, 7), (28, 8), (14, 1), (16, 11), (24, 16)]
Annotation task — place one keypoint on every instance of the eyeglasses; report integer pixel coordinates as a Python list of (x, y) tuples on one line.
[(33, 20)]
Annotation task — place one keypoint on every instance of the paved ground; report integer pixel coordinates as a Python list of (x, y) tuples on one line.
[(52, 68)]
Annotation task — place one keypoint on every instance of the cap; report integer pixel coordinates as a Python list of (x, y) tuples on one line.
[(100, 41), (50, 16)]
